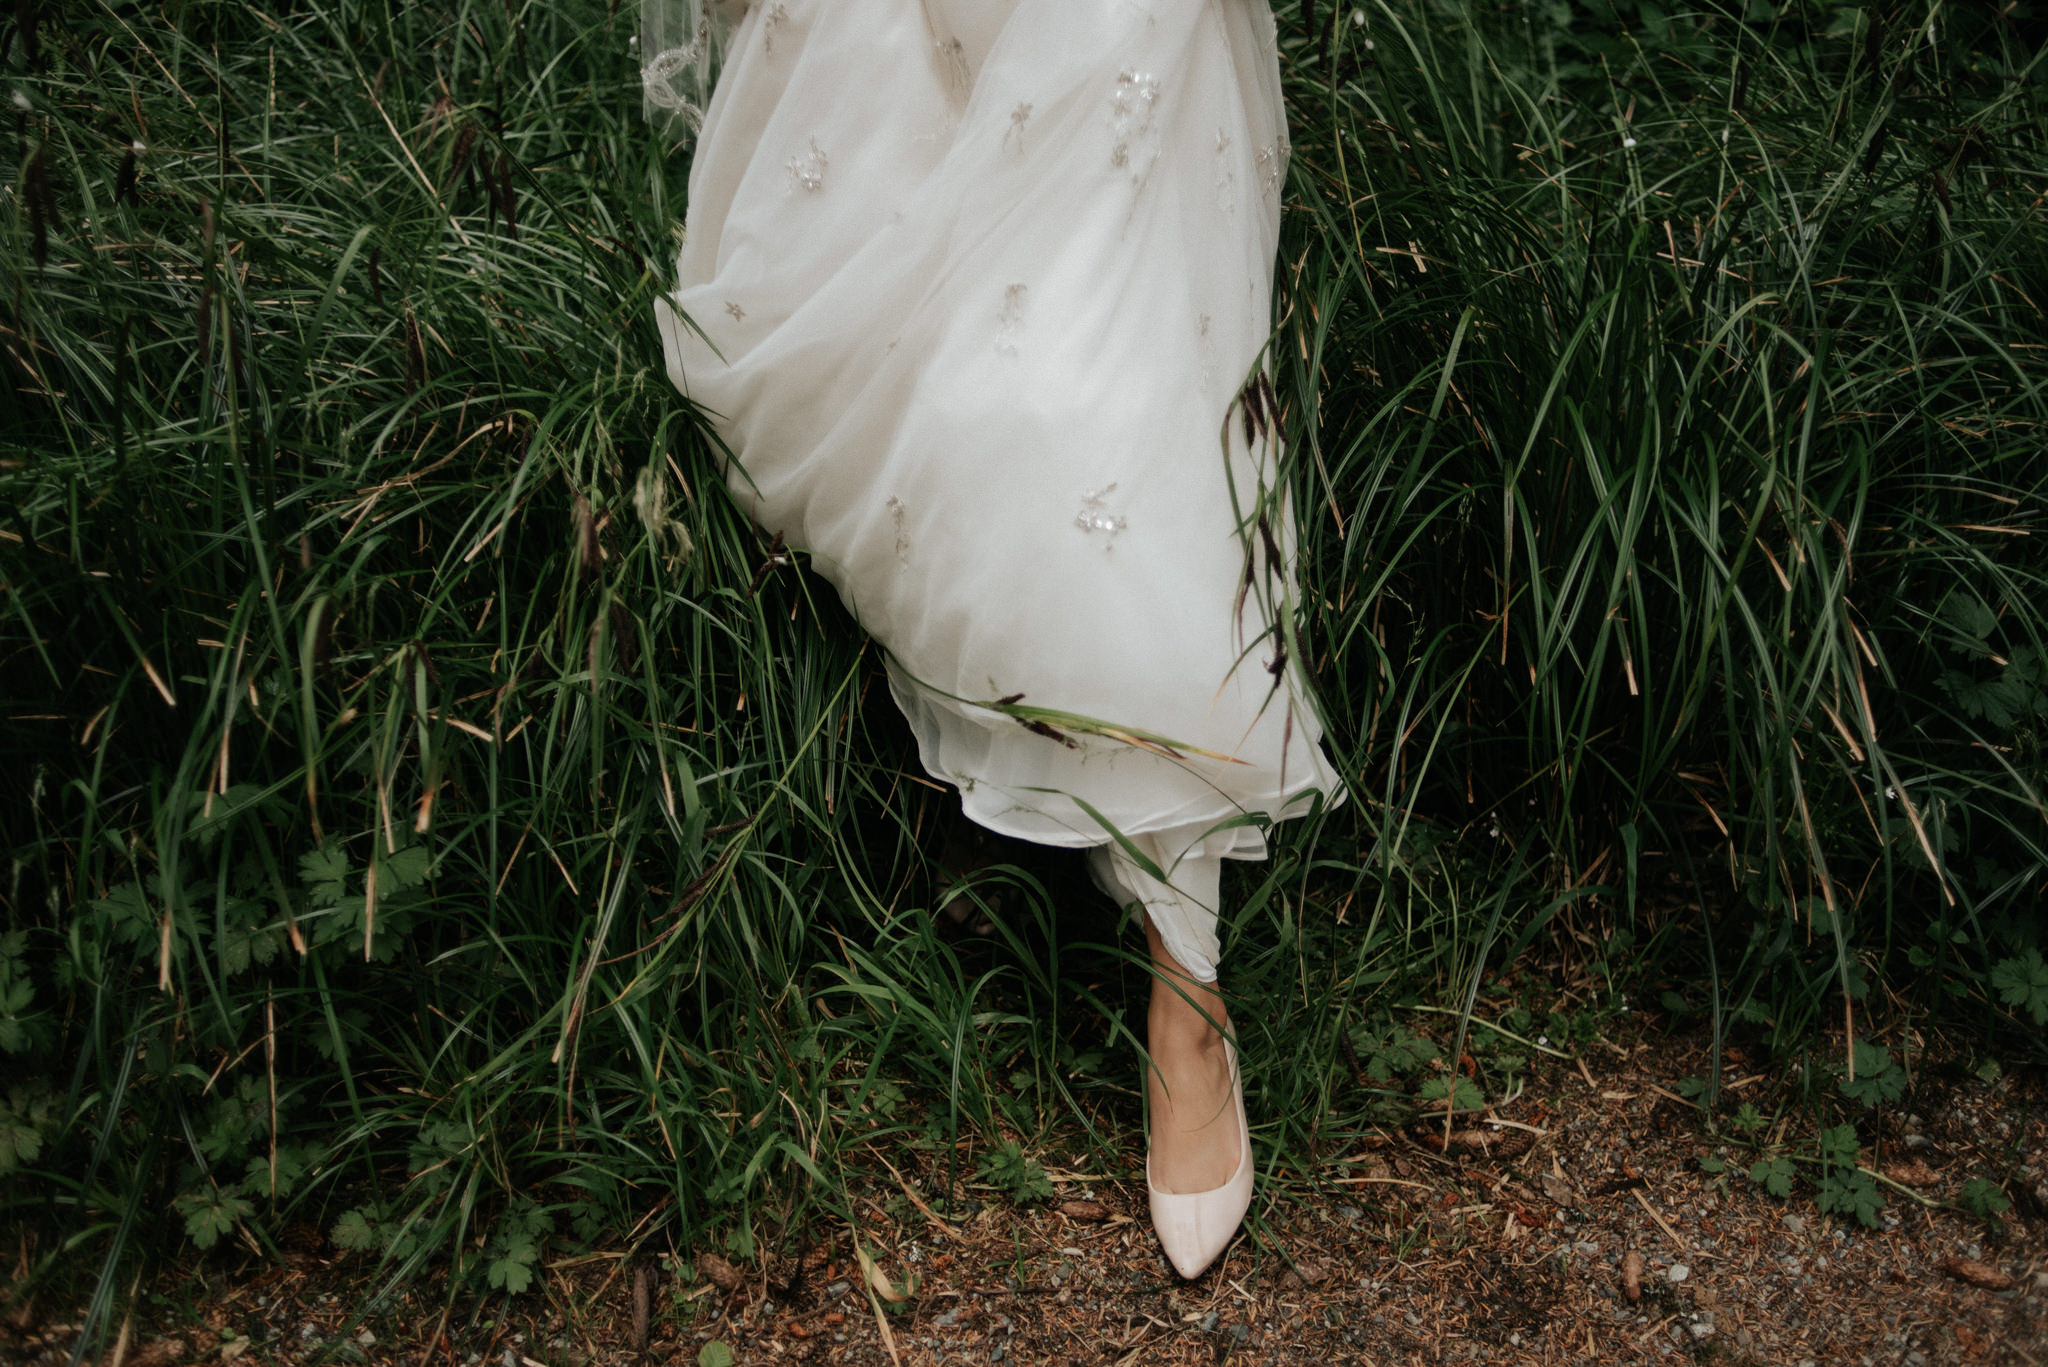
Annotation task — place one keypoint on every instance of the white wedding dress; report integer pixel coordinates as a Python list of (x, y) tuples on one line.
[(971, 288)]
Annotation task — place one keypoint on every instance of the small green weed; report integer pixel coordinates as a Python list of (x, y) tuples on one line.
[(1774, 1175), (1748, 1121), (517, 1243), (1019, 1177), (1984, 1199), (1878, 1078), (1840, 1186), (1461, 1092), (2022, 984), (212, 1212), (1390, 1053), (28, 1117)]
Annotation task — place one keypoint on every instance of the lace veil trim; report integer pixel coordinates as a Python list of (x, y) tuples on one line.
[(681, 44)]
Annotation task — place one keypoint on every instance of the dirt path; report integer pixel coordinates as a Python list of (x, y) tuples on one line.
[(1514, 1244)]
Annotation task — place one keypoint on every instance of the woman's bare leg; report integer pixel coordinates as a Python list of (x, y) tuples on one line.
[(1193, 1123)]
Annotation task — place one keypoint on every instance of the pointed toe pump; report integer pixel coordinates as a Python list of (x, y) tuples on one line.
[(1194, 1227)]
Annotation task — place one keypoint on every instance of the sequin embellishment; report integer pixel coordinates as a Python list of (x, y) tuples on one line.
[(1010, 319), (1096, 517), (1272, 161), (808, 169), (1130, 113)]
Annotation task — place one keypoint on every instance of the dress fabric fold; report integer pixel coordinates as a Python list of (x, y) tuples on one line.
[(971, 291)]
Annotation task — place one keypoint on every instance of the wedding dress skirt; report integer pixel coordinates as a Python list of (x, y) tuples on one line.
[(972, 289)]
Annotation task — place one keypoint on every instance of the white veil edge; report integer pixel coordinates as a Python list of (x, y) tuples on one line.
[(681, 44)]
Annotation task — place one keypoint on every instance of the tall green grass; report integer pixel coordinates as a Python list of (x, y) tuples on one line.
[(435, 814), (1705, 526)]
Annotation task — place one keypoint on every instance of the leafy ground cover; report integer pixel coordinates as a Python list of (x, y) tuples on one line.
[(436, 819)]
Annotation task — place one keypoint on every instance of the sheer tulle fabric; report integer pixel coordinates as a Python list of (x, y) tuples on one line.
[(971, 288), (1184, 907)]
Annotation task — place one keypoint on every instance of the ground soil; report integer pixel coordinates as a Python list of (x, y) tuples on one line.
[(1512, 1244)]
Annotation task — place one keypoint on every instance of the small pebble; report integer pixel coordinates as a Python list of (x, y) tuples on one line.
[(1678, 1273), (838, 1288), (1241, 1332), (1794, 1224), (1209, 1321)]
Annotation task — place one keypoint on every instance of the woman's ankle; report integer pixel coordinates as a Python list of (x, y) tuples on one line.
[(1181, 1030)]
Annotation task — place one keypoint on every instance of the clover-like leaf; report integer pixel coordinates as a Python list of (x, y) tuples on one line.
[(211, 1214), (1999, 700), (1774, 1175), (1877, 1077), (354, 1232), (1464, 1094), (1838, 1146), (325, 873), (291, 1164), (1852, 1194), (1971, 621), (1984, 1198), (25, 1118), (2022, 983), (128, 912), (512, 1270), (404, 869)]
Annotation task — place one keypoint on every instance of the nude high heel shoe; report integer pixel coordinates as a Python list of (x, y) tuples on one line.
[(1194, 1227)]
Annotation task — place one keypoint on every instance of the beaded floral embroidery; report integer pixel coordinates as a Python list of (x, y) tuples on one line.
[(808, 168), (1095, 515), (1131, 108)]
